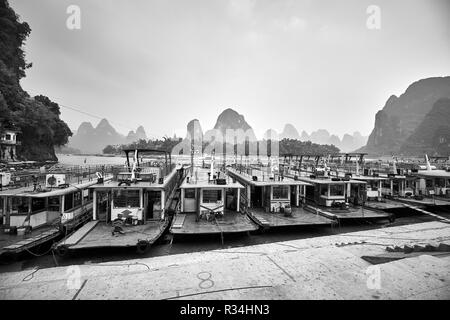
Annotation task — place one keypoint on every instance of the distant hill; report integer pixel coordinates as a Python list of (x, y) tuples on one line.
[(401, 116), (289, 132), (230, 119), (348, 143), (138, 135), (92, 140)]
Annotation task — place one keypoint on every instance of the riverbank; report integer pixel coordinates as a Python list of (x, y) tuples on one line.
[(329, 267)]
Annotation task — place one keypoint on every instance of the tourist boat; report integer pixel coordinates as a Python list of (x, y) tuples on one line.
[(131, 210), (273, 200), (432, 181), (38, 214), (341, 198), (210, 204)]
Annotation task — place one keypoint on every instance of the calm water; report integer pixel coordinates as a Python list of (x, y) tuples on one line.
[(80, 160)]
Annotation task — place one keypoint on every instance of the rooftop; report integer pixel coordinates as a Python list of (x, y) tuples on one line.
[(199, 179)]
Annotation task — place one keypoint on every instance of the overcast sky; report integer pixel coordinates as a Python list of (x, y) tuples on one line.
[(161, 63)]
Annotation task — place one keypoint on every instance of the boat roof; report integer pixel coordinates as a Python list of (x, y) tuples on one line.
[(202, 181), (434, 173), (369, 178), (263, 179), (328, 181), (138, 185), (28, 191)]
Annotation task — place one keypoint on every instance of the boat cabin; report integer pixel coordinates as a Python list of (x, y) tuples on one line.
[(28, 207), (433, 182), (140, 199), (210, 204), (374, 185), (202, 192), (329, 192), (272, 192)]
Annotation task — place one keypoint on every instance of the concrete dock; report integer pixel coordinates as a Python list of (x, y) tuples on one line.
[(328, 267)]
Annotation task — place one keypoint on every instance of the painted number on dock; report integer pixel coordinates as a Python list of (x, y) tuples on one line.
[(206, 281)]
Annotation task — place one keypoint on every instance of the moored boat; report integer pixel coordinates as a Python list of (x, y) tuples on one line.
[(131, 210), (37, 215), (275, 201), (210, 204)]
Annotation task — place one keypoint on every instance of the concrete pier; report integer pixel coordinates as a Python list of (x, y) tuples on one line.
[(318, 268)]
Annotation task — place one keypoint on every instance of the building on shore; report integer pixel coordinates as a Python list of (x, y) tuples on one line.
[(8, 143)]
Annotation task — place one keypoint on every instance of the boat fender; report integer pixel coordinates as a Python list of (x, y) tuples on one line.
[(142, 246)]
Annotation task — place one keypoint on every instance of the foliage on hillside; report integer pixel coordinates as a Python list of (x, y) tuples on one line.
[(166, 144), (286, 146), (37, 118)]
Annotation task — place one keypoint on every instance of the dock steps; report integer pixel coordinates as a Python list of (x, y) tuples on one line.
[(179, 221), (262, 221), (80, 233), (429, 247)]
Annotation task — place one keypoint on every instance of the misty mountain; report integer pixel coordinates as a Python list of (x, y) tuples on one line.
[(348, 143), (92, 140), (401, 116), (230, 119), (289, 132), (138, 135)]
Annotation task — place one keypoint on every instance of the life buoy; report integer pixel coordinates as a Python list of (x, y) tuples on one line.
[(62, 250), (142, 246)]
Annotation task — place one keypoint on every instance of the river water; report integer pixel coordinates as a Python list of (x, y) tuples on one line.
[(87, 160)]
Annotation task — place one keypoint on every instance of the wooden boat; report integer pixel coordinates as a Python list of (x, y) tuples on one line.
[(275, 201), (36, 215), (131, 210), (210, 204)]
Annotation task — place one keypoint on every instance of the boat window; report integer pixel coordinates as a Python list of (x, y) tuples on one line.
[(324, 190), (386, 184), (37, 204), (189, 193), (336, 190), (19, 205), (126, 198), (440, 182), (212, 196), (280, 192), (429, 183), (373, 185), (77, 199), (1, 207), (86, 195), (91, 194), (53, 204), (68, 201)]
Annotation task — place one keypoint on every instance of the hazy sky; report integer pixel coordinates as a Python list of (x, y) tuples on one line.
[(161, 63)]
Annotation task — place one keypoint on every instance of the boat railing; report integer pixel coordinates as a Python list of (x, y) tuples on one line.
[(72, 175)]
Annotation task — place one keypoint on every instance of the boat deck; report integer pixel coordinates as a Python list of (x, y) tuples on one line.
[(425, 201), (351, 213), (99, 235), (231, 222), (16, 244), (386, 204), (300, 217)]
